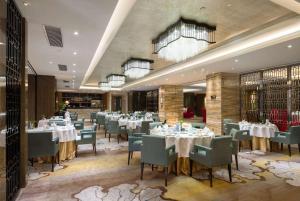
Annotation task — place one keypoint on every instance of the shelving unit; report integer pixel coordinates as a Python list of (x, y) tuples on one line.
[(152, 101), (83, 100)]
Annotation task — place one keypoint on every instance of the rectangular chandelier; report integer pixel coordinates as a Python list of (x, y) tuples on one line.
[(104, 86), (115, 80), (184, 39), (136, 68)]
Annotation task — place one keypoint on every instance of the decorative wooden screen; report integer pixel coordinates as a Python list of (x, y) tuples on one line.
[(250, 96), (13, 67), (272, 94)]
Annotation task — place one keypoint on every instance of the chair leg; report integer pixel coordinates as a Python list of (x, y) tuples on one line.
[(58, 158), (271, 146), (175, 166), (128, 157), (191, 167), (142, 170), (118, 137), (109, 137), (152, 167), (299, 147), (166, 176), (53, 158), (240, 145), (251, 146), (104, 132), (229, 172), (289, 147), (281, 146), (131, 155), (95, 149), (31, 162), (210, 176), (236, 161)]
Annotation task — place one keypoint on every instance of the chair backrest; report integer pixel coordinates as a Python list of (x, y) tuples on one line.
[(113, 126), (295, 134), (101, 119), (88, 137), (79, 125), (40, 144), (145, 127), (153, 148), (155, 117), (221, 150), (93, 115), (229, 126), (154, 124), (73, 116)]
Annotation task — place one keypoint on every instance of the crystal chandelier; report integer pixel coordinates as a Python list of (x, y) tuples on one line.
[(184, 39), (104, 86), (136, 68), (115, 80)]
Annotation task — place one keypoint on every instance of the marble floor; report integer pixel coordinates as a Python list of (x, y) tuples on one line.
[(106, 176)]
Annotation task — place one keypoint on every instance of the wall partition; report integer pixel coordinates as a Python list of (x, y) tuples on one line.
[(272, 94)]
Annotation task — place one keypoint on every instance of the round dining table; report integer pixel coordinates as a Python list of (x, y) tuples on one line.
[(184, 142)]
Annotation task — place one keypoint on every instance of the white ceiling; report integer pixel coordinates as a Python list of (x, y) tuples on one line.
[(88, 17)]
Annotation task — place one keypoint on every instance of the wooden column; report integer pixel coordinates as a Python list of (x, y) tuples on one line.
[(222, 99), (170, 103)]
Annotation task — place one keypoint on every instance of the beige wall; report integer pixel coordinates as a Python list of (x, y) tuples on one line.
[(124, 100), (226, 104), (170, 103)]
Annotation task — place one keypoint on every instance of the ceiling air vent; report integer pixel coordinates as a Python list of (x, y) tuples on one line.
[(62, 67), (54, 36), (66, 81), (67, 86)]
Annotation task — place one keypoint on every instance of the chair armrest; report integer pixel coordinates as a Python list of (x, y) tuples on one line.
[(170, 150), (55, 140), (281, 133), (203, 148), (132, 139), (138, 134)]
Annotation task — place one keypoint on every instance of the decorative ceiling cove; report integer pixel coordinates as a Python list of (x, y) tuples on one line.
[(149, 18)]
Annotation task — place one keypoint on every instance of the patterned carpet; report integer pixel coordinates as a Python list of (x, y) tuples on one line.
[(106, 176)]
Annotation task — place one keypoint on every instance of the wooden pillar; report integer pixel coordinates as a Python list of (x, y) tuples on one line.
[(170, 103), (222, 99)]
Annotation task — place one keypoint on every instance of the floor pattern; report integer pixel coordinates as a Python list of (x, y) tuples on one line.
[(106, 176)]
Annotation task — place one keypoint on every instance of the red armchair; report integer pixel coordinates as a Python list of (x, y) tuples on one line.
[(188, 114)]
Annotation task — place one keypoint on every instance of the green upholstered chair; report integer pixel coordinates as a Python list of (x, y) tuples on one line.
[(145, 127), (290, 137), (113, 128), (235, 146), (86, 137), (92, 128), (155, 117), (154, 152), (198, 125), (218, 154), (154, 124), (40, 144), (93, 116), (79, 125), (101, 120), (240, 135), (134, 143), (73, 116), (226, 121)]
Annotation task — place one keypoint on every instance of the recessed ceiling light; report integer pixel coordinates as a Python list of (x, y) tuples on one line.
[(50, 62), (236, 60), (75, 53), (167, 79), (76, 33), (74, 71), (74, 64), (26, 3), (229, 5), (290, 46), (232, 68), (1, 43)]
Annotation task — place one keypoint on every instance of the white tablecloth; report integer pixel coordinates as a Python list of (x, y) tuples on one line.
[(259, 130), (3, 138), (44, 122), (185, 142), (64, 133), (130, 124)]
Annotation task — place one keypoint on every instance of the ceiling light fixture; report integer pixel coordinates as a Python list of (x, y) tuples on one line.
[(290, 46), (136, 68), (26, 3), (74, 64), (229, 5), (236, 60), (76, 33), (1, 43), (50, 62), (115, 80), (75, 53), (184, 39), (74, 71), (104, 86)]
